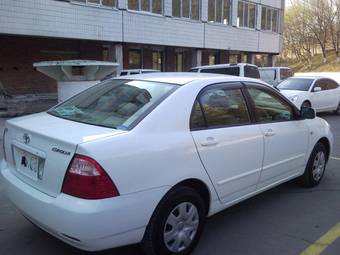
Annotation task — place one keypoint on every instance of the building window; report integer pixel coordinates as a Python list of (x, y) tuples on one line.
[(219, 11), (157, 60), (246, 14), (179, 62), (154, 6), (270, 19), (135, 59), (189, 9), (106, 3), (212, 59)]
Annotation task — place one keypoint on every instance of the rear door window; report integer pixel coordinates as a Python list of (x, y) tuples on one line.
[(251, 72), (220, 107), (234, 70)]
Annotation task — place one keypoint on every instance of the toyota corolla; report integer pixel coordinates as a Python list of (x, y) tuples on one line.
[(147, 158)]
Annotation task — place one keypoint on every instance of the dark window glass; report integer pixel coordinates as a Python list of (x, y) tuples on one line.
[(145, 5), (135, 59), (270, 107), (157, 58), (285, 73), (176, 8), (246, 17), (326, 84), (186, 8), (295, 84), (111, 3), (252, 72), (133, 5), (123, 73), (157, 6), (197, 119), (268, 75), (269, 19), (195, 9), (226, 12), (252, 15), (218, 11), (224, 107), (194, 70), (274, 21), (211, 10), (235, 71), (332, 84), (263, 18), (240, 14)]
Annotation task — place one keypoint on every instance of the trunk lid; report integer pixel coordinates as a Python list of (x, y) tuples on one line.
[(40, 148)]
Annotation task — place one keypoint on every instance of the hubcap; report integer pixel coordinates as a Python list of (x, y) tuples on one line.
[(181, 227), (319, 165)]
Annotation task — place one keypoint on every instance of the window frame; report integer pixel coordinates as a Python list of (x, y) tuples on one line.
[(233, 85), (222, 13), (244, 14), (150, 7), (190, 10), (276, 94), (278, 19)]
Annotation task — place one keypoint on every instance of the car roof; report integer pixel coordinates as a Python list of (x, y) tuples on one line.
[(181, 78), (312, 77), (223, 65)]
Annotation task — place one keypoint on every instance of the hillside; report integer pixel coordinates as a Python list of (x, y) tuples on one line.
[(317, 64)]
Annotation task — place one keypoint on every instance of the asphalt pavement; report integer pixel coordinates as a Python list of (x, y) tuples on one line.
[(287, 220)]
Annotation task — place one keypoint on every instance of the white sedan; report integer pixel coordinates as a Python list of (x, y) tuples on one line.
[(147, 158), (323, 94)]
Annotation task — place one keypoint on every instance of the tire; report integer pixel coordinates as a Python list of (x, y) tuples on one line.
[(337, 111), (167, 220), (306, 104), (315, 168)]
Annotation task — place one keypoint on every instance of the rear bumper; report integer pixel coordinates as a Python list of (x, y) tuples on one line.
[(90, 225)]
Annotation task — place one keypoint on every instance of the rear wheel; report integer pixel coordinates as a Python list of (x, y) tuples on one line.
[(337, 111), (176, 225), (316, 166)]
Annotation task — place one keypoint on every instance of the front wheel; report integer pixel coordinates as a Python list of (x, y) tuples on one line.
[(316, 166), (176, 225)]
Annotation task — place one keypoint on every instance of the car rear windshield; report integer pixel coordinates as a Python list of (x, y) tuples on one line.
[(235, 71), (119, 104), (295, 84)]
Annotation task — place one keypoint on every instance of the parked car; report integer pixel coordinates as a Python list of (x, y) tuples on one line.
[(137, 71), (148, 158), (323, 94), (275, 75), (241, 69)]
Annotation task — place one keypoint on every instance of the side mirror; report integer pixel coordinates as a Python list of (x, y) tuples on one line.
[(317, 89), (307, 113)]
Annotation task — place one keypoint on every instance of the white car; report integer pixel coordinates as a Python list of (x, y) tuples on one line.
[(322, 94), (148, 158)]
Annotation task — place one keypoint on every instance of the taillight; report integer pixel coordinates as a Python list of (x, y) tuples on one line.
[(85, 178)]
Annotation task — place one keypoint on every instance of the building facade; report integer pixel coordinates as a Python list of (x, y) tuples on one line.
[(169, 35)]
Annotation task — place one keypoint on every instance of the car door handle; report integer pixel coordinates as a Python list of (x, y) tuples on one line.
[(210, 141), (269, 133)]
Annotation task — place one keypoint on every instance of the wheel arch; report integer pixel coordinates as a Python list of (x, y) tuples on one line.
[(327, 144)]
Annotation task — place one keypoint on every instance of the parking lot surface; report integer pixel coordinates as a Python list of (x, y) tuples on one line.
[(287, 220)]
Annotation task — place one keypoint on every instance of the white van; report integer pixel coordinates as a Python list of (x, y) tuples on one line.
[(274, 75), (240, 69)]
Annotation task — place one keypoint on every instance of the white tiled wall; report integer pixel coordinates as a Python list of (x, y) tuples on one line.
[(62, 19)]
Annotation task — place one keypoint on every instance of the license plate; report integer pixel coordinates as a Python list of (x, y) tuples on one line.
[(28, 164)]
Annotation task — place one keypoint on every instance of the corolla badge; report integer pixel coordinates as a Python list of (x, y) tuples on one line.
[(55, 149), (26, 138)]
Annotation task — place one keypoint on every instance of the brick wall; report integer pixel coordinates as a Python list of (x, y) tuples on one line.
[(19, 53)]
